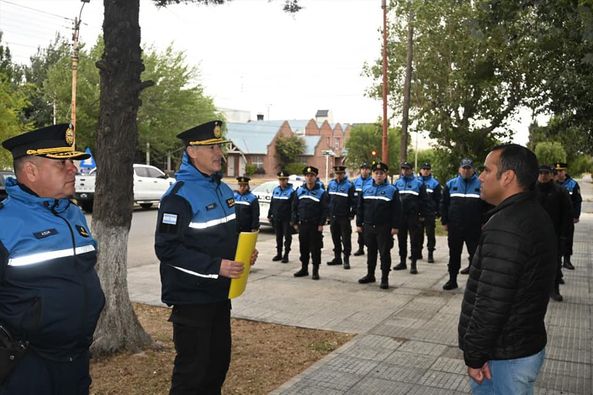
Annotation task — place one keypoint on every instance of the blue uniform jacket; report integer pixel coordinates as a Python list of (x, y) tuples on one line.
[(310, 205), (50, 293), (433, 190), (341, 198), (196, 229), (412, 195), (575, 195), (281, 204), (461, 204), (379, 205), (247, 209)]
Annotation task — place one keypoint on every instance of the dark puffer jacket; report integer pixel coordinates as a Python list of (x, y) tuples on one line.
[(511, 276)]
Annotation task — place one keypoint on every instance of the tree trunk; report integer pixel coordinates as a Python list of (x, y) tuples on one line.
[(120, 68), (403, 147)]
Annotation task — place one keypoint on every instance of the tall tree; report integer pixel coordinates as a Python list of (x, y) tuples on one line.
[(365, 138), (288, 149), (117, 137)]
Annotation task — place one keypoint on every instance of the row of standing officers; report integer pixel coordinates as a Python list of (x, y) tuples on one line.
[(407, 208)]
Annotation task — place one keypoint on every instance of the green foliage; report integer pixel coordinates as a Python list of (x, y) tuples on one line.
[(250, 169), (573, 139), (549, 152), (365, 139), (295, 168), (582, 164), (12, 103), (288, 149)]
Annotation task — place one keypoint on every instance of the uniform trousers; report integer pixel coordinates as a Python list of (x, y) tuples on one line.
[(569, 240), (360, 240), (34, 375), (310, 242), (341, 231), (283, 231), (202, 337), (410, 224), (428, 226), (457, 235), (378, 240)]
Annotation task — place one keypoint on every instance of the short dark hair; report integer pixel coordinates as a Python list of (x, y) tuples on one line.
[(521, 160)]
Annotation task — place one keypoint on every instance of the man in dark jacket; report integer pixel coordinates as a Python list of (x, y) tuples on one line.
[(360, 183), (50, 295), (195, 241), (341, 211), (433, 190), (556, 201), (279, 215), (501, 327), (574, 191), (246, 206), (309, 214)]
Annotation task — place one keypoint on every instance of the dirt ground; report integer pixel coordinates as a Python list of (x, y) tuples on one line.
[(264, 356)]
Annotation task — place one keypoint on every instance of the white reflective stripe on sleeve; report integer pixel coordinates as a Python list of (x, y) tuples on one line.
[(339, 194), (46, 256), (377, 198), (408, 192), (429, 190), (243, 202), (308, 197), (281, 197), (214, 276), (469, 195), (212, 222)]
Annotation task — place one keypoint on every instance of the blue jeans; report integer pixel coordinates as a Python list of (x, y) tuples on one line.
[(511, 376)]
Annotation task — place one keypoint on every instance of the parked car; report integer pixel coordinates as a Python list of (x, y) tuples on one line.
[(4, 175), (150, 184)]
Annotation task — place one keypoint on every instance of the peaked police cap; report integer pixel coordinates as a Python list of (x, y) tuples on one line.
[(53, 142), (209, 133), (310, 170)]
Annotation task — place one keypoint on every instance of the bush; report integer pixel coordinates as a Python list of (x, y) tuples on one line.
[(250, 169), (295, 168)]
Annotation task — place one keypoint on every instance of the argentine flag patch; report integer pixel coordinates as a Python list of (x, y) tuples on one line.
[(170, 219)]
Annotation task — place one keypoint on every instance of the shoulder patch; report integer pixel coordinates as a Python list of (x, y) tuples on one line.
[(230, 202), (169, 219), (82, 231)]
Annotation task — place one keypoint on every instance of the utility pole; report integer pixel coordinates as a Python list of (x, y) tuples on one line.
[(75, 35), (384, 146)]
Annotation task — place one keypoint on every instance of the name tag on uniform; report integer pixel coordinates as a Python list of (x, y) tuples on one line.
[(45, 233), (170, 219)]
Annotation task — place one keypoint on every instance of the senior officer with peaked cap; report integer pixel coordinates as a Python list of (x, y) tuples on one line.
[(50, 295), (195, 241)]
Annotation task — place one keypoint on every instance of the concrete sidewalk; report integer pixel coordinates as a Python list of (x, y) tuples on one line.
[(407, 335)]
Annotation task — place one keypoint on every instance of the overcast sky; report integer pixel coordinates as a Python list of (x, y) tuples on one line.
[(252, 56)]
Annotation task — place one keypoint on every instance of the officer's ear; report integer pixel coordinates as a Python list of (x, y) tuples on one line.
[(29, 171)]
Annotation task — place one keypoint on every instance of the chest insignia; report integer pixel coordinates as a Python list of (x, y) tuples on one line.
[(82, 231), (230, 202)]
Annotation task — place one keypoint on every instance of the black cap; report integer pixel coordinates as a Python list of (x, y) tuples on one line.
[(379, 166), (364, 165), (310, 170), (406, 165), (465, 162), (282, 174), (208, 133), (339, 169), (546, 168), (426, 165), (560, 166), (53, 142), (243, 179)]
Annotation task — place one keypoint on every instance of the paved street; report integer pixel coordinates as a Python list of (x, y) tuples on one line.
[(407, 335)]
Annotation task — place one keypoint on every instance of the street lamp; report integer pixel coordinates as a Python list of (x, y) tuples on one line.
[(327, 154)]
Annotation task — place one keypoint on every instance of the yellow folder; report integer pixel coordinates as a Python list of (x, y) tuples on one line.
[(245, 248)]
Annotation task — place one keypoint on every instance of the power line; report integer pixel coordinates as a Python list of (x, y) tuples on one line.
[(35, 10)]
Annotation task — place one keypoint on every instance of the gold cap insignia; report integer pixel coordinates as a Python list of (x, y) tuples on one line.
[(69, 136), (217, 131)]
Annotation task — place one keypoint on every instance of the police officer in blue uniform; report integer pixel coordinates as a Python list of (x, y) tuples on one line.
[(341, 212), (378, 216), (360, 182), (461, 215), (246, 206), (574, 191), (50, 295), (433, 191), (309, 214), (412, 196), (195, 241), (279, 214)]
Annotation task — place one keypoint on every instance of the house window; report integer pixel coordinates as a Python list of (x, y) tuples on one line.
[(258, 161)]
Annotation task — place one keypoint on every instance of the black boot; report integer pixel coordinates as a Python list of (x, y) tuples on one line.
[(315, 275), (384, 280), (303, 272), (555, 294), (413, 269), (451, 284), (278, 255), (359, 252), (402, 265), (465, 271), (369, 278), (346, 262), (336, 261), (430, 257), (567, 264), (285, 257)]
